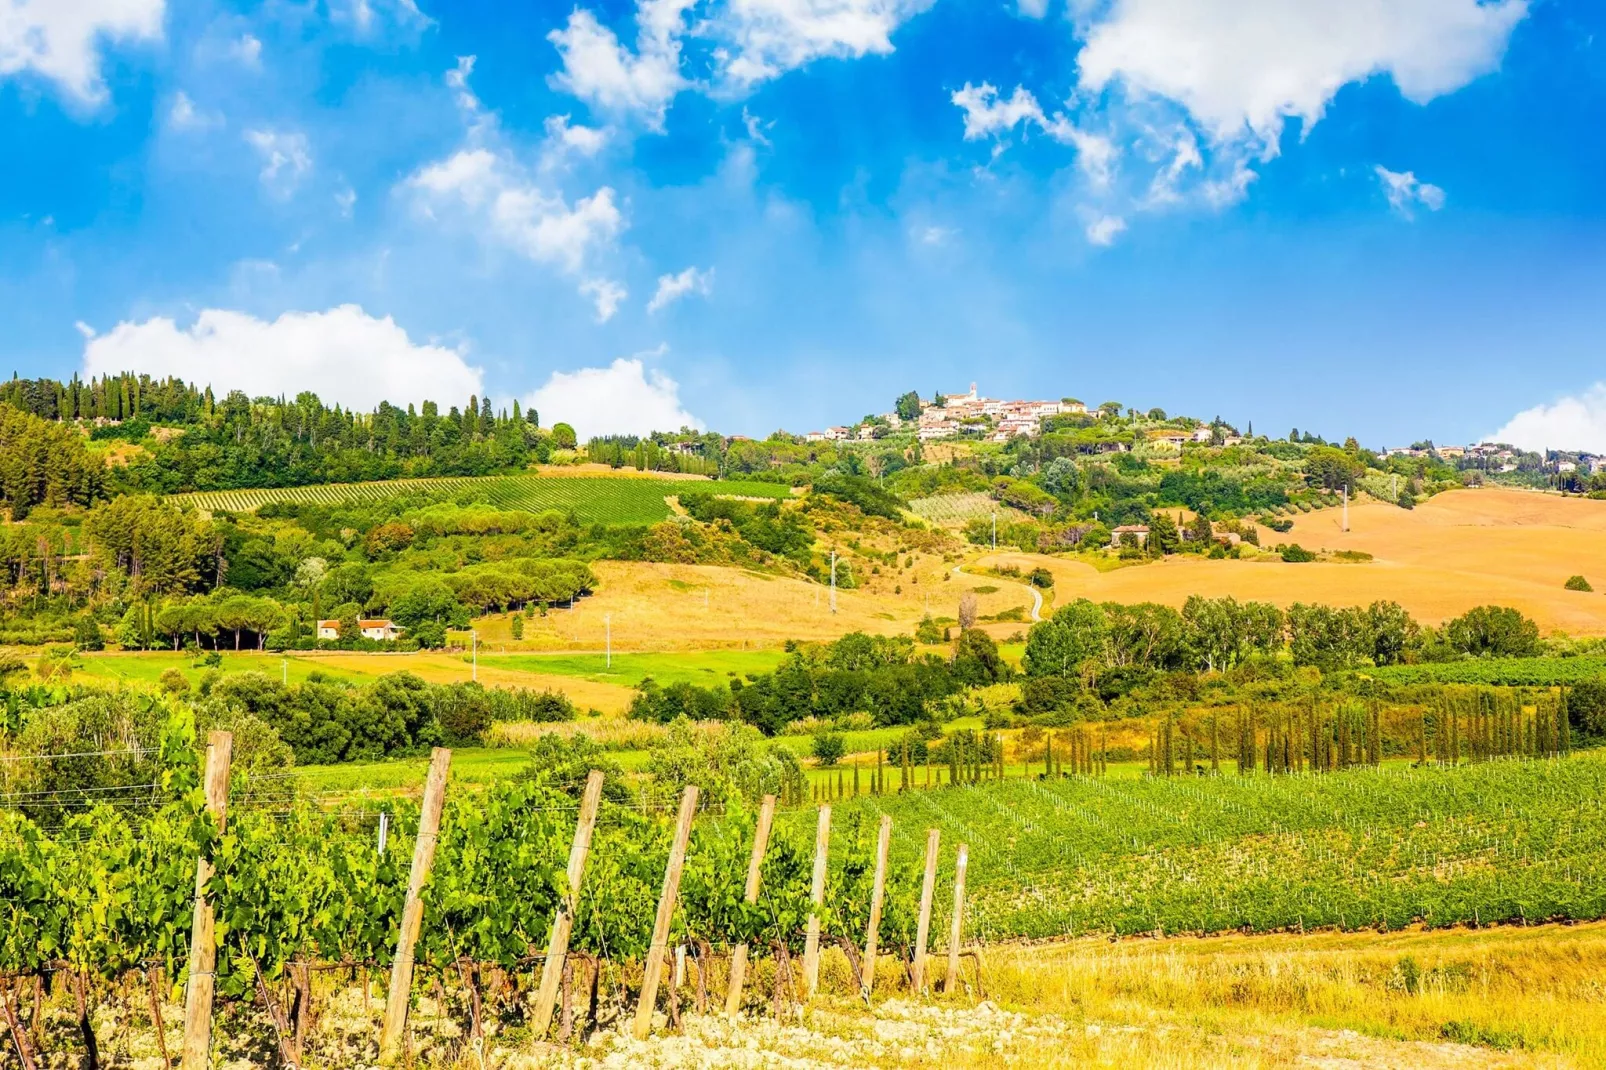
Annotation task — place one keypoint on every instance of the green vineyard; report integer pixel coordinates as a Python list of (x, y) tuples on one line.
[(956, 508), (1498, 841), (594, 499), (1503, 672)]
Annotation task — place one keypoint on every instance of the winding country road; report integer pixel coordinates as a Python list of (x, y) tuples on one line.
[(1037, 596)]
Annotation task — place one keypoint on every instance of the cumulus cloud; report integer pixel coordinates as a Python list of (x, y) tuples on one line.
[(59, 39), (624, 398), (672, 288), (752, 41), (1577, 422), (485, 188), (505, 205), (1242, 67), (343, 355), (286, 157), (762, 39), (1405, 192), (604, 73), (606, 294), (584, 140), (1177, 102), (988, 115)]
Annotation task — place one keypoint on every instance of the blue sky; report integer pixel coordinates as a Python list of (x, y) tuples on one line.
[(1372, 217)]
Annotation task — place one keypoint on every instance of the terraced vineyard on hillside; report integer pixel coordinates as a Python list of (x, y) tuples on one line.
[(594, 499)]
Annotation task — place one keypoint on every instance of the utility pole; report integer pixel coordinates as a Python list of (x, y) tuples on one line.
[(607, 639), (1346, 507), (474, 646), (833, 581)]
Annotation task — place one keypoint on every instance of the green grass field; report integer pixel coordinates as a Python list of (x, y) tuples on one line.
[(1499, 841), (708, 668), (593, 499), (1500, 672)]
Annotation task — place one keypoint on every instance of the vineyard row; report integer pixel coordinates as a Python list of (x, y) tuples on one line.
[(236, 907)]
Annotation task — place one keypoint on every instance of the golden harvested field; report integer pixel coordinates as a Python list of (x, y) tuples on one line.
[(1454, 551), (700, 607)]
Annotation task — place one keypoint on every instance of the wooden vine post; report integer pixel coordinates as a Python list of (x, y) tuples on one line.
[(399, 998), (755, 869), (563, 920), (877, 894), (203, 940), (811, 946), (956, 924), (928, 888), (666, 913)]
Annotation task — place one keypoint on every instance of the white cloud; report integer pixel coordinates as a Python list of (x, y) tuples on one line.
[(248, 51), (285, 157), (485, 188), (182, 114), (606, 294), (1405, 192), (623, 398), (1032, 9), (59, 39), (1570, 423), (1104, 229), (608, 76), (585, 140), (1177, 101), (755, 127), (1242, 67), (346, 199), (343, 355), (933, 234), (762, 39), (988, 115), (672, 288), (507, 207)]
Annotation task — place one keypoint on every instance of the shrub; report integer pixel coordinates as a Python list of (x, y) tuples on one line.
[(928, 631), (1577, 583), (829, 747), (1041, 577), (1295, 553), (518, 626), (173, 682)]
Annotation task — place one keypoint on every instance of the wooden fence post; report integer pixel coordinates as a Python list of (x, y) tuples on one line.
[(563, 920), (203, 940), (928, 888), (877, 894), (755, 869), (666, 913), (811, 947), (956, 924), (399, 999)]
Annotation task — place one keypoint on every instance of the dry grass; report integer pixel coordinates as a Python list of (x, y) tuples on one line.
[(1530, 996), (1453, 552), (700, 607), (614, 733)]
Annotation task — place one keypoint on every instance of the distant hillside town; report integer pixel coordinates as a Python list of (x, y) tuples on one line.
[(951, 415)]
